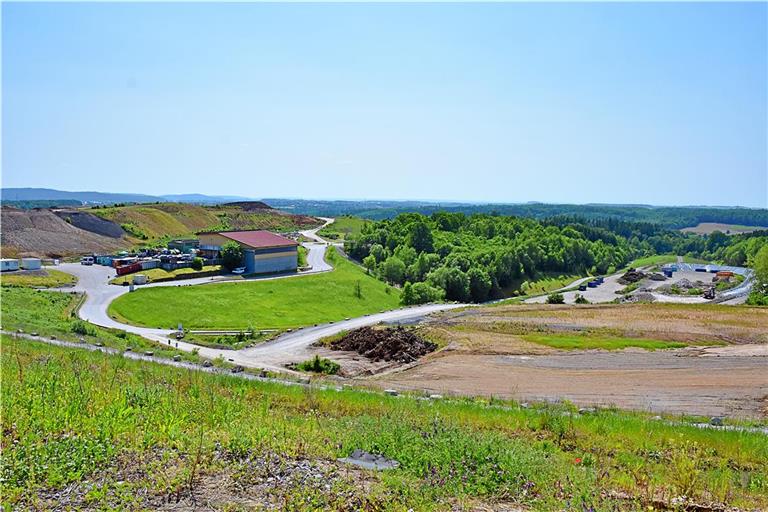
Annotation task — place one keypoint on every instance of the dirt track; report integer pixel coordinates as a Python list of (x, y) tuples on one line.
[(485, 355), (664, 381)]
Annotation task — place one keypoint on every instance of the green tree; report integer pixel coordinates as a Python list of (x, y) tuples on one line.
[(393, 270), (369, 262), (453, 281), (377, 251), (479, 284), (197, 264), (231, 255), (759, 295), (420, 237)]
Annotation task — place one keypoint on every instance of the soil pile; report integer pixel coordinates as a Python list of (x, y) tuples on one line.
[(632, 276), (390, 344)]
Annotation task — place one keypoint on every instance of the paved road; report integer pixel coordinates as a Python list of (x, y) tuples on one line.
[(291, 347)]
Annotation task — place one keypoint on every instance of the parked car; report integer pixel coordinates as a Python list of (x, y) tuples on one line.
[(239, 270), (87, 260)]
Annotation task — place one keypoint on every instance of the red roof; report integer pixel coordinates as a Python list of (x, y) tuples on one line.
[(258, 239)]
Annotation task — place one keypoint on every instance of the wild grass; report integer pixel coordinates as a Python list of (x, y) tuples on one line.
[(68, 416), (48, 278), (54, 314), (264, 304)]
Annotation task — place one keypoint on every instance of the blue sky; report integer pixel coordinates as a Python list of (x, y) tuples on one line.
[(654, 103)]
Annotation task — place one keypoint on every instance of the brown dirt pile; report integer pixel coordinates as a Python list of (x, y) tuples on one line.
[(390, 344)]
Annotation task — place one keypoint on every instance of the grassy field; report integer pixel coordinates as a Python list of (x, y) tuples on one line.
[(120, 434), (705, 228), (153, 274), (38, 279), (53, 314), (587, 342), (343, 227), (265, 304)]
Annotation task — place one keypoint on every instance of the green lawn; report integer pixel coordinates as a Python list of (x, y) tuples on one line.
[(343, 227), (106, 433), (153, 274), (53, 279), (593, 341), (264, 304)]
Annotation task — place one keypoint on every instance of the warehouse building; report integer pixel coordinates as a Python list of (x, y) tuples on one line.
[(264, 252)]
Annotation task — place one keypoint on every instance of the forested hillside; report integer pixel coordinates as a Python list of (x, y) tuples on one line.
[(671, 217), (478, 257)]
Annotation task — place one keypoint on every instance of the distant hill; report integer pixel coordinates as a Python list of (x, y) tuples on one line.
[(44, 197), (668, 216), (104, 228), (49, 194)]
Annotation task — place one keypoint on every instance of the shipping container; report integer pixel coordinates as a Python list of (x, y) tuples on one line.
[(128, 269), (31, 263), (9, 264)]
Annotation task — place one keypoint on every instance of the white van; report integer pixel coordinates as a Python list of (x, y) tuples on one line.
[(86, 260)]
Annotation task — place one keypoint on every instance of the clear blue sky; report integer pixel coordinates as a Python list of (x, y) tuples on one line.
[(617, 103)]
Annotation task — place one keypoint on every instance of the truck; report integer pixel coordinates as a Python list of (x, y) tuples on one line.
[(87, 260)]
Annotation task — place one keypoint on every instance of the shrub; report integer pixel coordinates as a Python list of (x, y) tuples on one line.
[(82, 328), (197, 264), (556, 298), (580, 299), (232, 255), (319, 365)]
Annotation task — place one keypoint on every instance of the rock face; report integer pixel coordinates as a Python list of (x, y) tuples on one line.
[(390, 344)]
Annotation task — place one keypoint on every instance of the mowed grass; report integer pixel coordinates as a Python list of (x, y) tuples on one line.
[(264, 304), (48, 278), (70, 418), (591, 341), (343, 228)]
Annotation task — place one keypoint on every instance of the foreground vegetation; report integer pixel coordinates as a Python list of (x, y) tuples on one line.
[(48, 278), (53, 314), (263, 304), (121, 434)]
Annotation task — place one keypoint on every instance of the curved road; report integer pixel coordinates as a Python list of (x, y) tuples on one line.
[(272, 355)]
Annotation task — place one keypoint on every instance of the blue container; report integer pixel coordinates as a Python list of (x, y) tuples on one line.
[(592, 284)]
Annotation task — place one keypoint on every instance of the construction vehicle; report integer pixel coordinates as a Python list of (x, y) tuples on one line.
[(709, 294)]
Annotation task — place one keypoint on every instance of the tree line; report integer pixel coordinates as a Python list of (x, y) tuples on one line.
[(478, 257)]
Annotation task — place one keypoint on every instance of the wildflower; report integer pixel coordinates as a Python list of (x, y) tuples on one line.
[(577, 460)]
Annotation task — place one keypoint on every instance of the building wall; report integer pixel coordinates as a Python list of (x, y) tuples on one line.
[(212, 239), (283, 261)]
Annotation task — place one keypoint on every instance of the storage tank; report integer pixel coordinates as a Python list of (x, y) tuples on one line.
[(9, 264), (31, 263)]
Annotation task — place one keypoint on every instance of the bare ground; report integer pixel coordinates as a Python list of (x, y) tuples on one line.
[(484, 355), (43, 233)]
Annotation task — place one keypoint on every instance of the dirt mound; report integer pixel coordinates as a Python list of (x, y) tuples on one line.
[(43, 233), (632, 276), (249, 205), (390, 344), (90, 222)]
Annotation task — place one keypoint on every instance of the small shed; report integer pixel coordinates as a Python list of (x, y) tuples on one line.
[(9, 264), (31, 263)]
